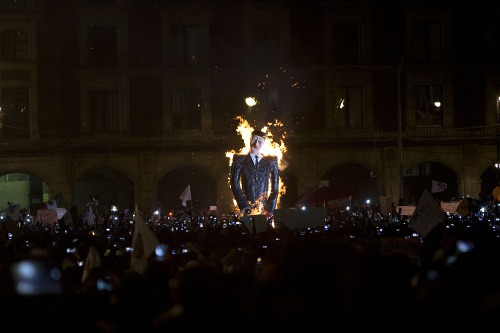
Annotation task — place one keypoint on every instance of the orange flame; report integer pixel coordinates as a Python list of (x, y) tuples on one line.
[(270, 148)]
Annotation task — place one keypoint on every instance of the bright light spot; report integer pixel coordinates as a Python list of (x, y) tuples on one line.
[(250, 101), (437, 104), (27, 269)]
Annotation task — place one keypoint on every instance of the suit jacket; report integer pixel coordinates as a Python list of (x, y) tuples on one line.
[(250, 185)]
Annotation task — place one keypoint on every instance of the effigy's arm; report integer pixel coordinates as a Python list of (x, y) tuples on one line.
[(235, 182), (272, 199)]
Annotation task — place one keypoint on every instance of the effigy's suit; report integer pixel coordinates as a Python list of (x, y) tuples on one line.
[(250, 184)]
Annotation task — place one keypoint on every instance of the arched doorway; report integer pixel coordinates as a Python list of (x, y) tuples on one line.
[(356, 179), (24, 189), (203, 189), (419, 178), (490, 178), (112, 187)]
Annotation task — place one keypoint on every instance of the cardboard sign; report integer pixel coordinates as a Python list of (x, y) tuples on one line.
[(259, 220), (427, 214), (459, 207), (450, 206), (301, 219), (406, 210)]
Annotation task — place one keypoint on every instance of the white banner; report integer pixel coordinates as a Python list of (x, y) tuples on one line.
[(427, 214), (450, 206), (405, 210), (186, 195), (438, 186)]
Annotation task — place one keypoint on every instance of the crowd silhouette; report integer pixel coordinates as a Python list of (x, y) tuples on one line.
[(360, 270)]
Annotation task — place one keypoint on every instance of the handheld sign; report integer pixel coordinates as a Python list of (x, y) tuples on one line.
[(427, 214)]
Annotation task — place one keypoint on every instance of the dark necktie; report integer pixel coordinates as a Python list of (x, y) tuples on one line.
[(256, 161)]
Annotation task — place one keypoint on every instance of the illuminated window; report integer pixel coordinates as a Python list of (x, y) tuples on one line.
[(348, 107), (14, 45), (428, 105), (186, 109)]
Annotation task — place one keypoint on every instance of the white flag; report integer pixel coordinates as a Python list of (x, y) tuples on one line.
[(427, 214), (186, 195), (93, 261), (438, 186), (144, 243)]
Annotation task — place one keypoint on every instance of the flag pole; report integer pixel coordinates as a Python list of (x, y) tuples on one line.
[(400, 134), (190, 197)]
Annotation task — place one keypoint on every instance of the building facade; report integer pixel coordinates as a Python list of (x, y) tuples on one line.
[(135, 100)]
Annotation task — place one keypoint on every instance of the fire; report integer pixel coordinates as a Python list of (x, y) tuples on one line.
[(270, 148)]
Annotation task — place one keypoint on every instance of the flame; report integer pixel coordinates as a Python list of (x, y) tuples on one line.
[(270, 148)]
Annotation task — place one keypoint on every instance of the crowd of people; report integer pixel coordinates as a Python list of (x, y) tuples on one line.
[(357, 271)]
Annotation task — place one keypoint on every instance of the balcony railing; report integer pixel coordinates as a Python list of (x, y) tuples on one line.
[(426, 135)]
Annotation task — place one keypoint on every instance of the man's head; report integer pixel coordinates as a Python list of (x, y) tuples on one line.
[(257, 141)]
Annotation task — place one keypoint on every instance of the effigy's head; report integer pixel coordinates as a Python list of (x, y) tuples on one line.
[(257, 141)]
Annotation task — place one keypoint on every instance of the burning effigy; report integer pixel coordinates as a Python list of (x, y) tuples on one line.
[(272, 153)]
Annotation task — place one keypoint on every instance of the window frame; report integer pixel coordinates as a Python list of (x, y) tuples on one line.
[(14, 44), (14, 127), (101, 53), (345, 115), (429, 114), (186, 114), (342, 45), (427, 42), (104, 111)]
